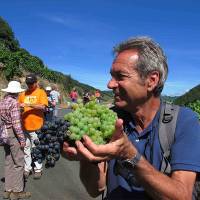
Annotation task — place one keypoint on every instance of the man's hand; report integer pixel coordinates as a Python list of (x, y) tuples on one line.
[(22, 145), (35, 106), (22, 105), (71, 153), (118, 147)]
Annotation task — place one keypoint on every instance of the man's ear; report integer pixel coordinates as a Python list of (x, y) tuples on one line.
[(153, 80)]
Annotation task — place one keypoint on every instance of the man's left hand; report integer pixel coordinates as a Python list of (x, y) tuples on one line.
[(118, 147)]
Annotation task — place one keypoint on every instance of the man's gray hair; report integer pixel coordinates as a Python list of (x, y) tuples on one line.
[(151, 58)]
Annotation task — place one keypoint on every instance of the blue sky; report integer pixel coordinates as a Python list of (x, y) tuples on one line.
[(76, 37)]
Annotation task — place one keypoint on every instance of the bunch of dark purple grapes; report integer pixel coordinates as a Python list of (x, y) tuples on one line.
[(48, 147)]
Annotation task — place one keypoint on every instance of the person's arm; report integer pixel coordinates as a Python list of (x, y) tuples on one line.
[(53, 103), (93, 177), (36, 106), (20, 100), (16, 123), (159, 186), (70, 94), (43, 102), (59, 98)]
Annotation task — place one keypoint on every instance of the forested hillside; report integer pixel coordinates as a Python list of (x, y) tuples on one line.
[(190, 96), (169, 98), (190, 99), (16, 62)]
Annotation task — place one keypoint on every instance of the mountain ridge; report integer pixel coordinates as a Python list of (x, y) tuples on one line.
[(16, 62)]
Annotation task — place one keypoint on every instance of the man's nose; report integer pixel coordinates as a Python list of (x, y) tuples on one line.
[(112, 84)]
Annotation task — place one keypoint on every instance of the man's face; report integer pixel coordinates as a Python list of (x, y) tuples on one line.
[(48, 92), (32, 86), (15, 95), (129, 89)]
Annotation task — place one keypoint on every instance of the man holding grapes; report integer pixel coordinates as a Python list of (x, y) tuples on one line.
[(129, 166)]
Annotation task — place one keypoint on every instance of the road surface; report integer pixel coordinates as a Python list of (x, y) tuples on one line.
[(58, 183)]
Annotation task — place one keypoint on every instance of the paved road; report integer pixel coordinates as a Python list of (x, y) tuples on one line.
[(58, 183)]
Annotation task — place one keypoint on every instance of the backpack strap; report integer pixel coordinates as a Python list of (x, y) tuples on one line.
[(52, 98), (167, 126)]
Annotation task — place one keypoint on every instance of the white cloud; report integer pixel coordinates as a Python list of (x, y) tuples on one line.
[(82, 23), (65, 21)]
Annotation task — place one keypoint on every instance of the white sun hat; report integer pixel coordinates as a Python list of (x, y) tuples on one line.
[(48, 88), (13, 87)]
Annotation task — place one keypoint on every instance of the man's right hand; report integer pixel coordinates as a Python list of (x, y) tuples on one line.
[(22, 105), (71, 153), (22, 145)]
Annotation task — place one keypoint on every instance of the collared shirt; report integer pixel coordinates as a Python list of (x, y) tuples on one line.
[(10, 115), (185, 154)]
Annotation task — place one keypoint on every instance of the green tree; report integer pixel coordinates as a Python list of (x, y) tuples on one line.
[(190, 96), (7, 35), (11, 61)]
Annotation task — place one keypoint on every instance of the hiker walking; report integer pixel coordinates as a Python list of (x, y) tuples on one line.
[(51, 104), (97, 95), (14, 155), (74, 95), (57, 97)]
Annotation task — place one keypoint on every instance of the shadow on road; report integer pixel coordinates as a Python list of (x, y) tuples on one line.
[(59, 183)]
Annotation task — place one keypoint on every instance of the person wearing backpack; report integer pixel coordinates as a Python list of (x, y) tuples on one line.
[(51, 104), (57, 96), (130, 166), (14, 154)]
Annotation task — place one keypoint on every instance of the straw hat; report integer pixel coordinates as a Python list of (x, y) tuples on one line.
[(13, 87)]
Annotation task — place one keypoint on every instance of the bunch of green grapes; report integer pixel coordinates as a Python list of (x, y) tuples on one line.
[(93, 119)]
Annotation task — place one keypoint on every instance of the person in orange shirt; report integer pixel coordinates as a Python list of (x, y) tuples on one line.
[(33, 102)]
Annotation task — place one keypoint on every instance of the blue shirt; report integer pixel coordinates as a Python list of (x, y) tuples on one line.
[(185, 152)]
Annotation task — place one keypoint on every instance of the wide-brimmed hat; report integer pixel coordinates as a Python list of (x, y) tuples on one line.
[(48, 88), (13, 87)]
